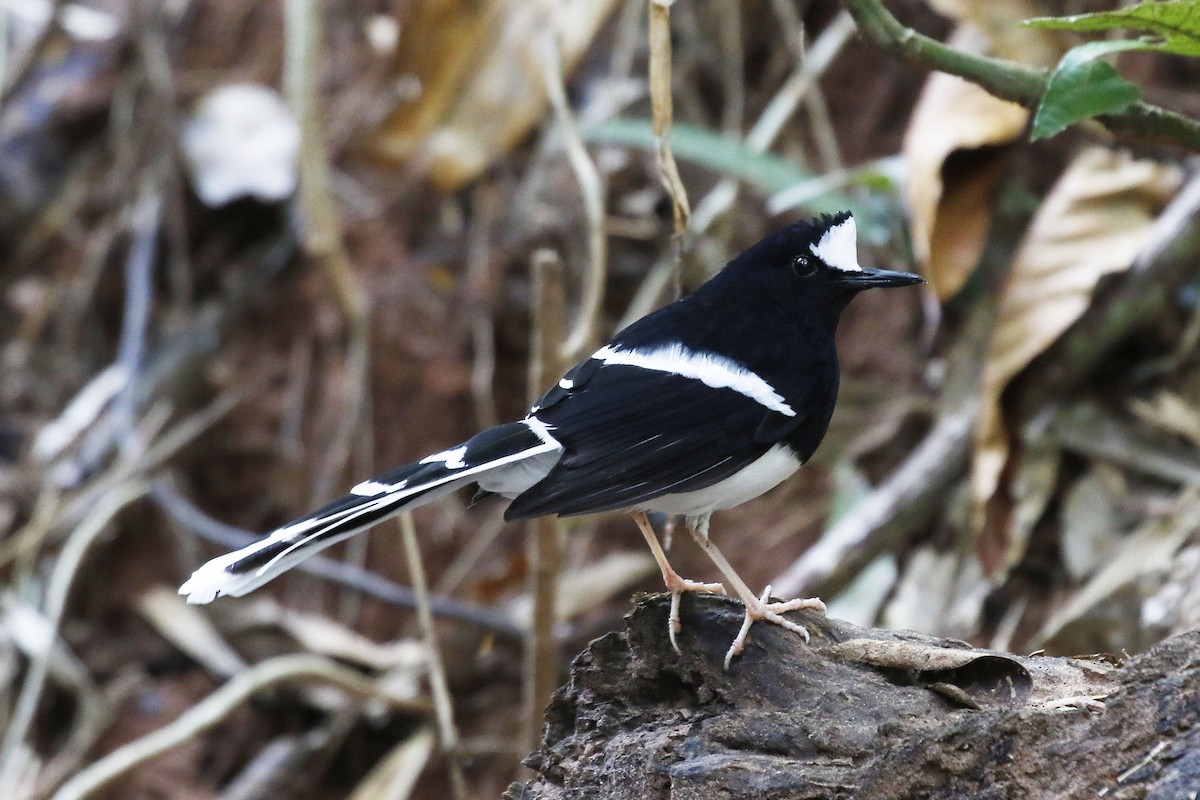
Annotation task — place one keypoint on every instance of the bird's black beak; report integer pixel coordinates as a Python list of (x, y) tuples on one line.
[(869, 278)]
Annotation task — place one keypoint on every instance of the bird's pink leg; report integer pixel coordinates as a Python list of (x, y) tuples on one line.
[(757, 608), (675, 584)]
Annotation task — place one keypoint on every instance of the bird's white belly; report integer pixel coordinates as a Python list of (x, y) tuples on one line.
[(767, 472)]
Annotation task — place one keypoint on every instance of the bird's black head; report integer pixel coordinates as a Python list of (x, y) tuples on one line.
[(820, 255)]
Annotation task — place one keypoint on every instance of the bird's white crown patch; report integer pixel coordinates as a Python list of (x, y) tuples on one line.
[(839, 247)]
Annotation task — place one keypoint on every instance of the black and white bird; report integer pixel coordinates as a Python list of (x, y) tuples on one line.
[(699, 406)]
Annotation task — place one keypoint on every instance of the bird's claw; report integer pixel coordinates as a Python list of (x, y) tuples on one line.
[(761, 609), (677, 586)]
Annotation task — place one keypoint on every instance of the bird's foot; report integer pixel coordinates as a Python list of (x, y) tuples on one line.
[(677, 586), (760, 609)]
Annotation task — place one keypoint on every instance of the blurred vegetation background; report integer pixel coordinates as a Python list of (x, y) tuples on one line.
[(254, 252)]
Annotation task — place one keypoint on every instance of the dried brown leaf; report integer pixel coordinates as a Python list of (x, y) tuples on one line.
[(954, 142), (477, 85), (1094, 222), (949, 205), (899, 654), (976, 681)]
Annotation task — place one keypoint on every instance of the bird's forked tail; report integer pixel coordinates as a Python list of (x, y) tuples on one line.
[(505, 460)]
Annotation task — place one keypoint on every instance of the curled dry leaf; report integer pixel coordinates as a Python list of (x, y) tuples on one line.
[(948, 197), (904, 655), (989, 681), (1061, 683), (475, 77), (1094, 222), (954, 142), (964, 676)]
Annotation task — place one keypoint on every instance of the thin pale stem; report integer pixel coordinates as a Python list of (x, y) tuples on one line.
[(438, 686)]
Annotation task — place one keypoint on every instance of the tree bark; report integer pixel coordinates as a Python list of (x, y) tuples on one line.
[(860, 713)]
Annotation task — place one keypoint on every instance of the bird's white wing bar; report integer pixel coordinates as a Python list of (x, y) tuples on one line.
[(542, 431), (373, 487), (458, 459), (839, 247), (709, 368), (453, 458)]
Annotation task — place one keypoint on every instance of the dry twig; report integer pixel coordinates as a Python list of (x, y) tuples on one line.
[(661, 105), (211, 711), (781, 108), (321, 228), (541, 651), (592, 189), (14, 750), (442, 703)]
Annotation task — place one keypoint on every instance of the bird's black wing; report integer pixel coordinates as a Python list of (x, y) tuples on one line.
[(630, 434)]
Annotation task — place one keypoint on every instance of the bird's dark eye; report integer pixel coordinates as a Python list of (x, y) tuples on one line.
[(803, 266)]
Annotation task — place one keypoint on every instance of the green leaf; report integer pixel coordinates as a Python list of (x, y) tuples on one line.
[(1083, 86), (766, 172), (1175, 24), (721, 154)]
